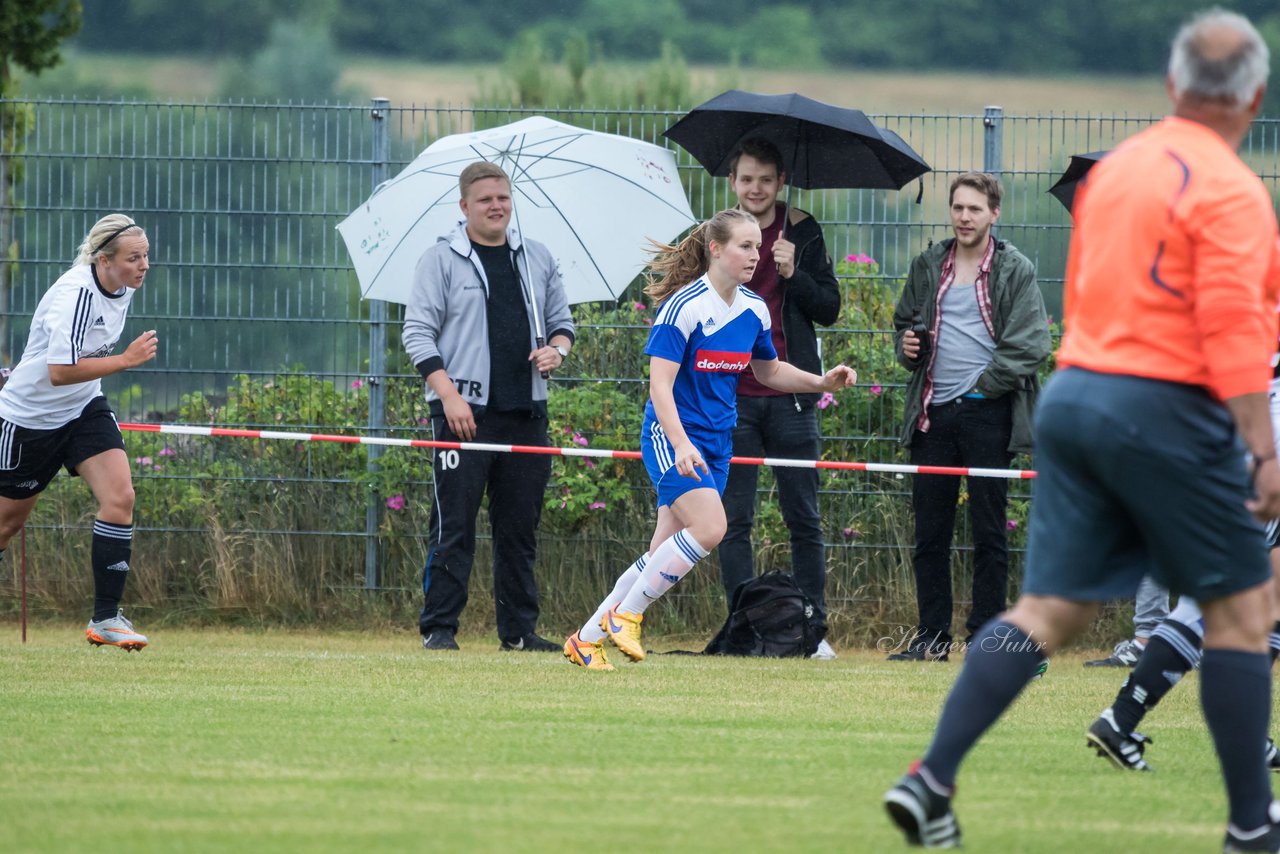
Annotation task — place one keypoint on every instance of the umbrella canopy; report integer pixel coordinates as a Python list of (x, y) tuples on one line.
[(593, 198), (822, 146), (1065, 189)]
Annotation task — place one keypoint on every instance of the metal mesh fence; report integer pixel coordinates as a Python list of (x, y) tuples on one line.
[(251, 279)]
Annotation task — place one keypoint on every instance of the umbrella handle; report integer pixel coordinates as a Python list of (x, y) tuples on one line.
[(542, 342)]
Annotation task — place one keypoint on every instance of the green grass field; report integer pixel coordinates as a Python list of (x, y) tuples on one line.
[(282, 741)]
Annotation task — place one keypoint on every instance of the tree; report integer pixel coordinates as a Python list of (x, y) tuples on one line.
[(31, 36)]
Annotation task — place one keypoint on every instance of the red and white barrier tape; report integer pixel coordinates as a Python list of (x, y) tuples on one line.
[(231, 432)]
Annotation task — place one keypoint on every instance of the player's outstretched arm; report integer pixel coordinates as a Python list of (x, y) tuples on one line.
[(782, 376)]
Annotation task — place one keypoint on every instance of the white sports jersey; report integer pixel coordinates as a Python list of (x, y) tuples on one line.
[(76, 319)]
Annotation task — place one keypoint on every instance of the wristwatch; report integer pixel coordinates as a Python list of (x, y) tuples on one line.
[(564, 354)]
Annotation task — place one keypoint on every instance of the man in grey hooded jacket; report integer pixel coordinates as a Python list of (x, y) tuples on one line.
[(486, 324)]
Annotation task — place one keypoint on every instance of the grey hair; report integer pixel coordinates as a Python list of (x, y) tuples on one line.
[(101, 239), (1234, 77)]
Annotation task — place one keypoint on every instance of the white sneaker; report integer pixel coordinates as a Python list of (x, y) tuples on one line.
[(115, 631), (825, 652)]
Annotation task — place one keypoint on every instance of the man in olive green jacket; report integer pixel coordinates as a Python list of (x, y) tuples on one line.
[(971, 327)]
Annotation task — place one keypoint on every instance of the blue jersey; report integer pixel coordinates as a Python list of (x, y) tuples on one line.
[(713, 344)]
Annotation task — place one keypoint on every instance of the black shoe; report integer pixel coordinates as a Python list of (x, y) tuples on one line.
[(1263, 839), (529, 643), (439, 639), (920, 652), (923, 815), (1273, 756), (1124, 751)]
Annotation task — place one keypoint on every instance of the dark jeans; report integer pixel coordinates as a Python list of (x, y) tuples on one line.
[(516, 484), (773, 427), (966, 432)]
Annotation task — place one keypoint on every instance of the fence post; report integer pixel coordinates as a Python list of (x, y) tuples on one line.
[(380, 114), (992, 139)]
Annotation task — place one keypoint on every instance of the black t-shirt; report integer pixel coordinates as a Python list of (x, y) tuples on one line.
[(510, 380)]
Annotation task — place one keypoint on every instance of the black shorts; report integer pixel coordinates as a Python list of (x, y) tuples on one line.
[(29, 459), (1135, 476)]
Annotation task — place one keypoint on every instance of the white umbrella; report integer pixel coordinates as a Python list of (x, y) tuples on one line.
[(593, 198)]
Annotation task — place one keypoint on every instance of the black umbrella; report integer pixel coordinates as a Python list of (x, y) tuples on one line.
[(1065, 189), (822, 146)]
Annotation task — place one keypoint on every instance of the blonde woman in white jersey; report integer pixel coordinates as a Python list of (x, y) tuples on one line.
[(53, 414)]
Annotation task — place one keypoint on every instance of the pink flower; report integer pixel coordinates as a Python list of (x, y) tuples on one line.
[(166, 451), (357, 383), (875, 389), (826, 400), (596, 505), (852, 259), (143, 461), (638, 306), (423, 422), (1011, 524), (590, 464), (396, 502), (155, 468), (580, 440), (851, 533)]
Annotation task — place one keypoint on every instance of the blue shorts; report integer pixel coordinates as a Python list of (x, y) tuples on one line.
[(1138, 475), (660, 460)]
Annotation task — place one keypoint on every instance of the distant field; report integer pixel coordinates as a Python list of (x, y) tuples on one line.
[(183, 79), (325, 741)]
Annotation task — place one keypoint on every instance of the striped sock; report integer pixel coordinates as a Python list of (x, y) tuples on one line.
[(1173, 650), (670, 562), (591, 631), (112, 548)]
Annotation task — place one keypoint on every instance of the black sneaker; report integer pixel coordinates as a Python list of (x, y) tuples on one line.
[(1265, 838), (529, 643), (439, 639), (1124, 751), (923, 814), (920, 652), (1273, 756)]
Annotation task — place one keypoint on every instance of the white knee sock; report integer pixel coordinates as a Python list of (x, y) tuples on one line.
[(670, 562), (591, 632)]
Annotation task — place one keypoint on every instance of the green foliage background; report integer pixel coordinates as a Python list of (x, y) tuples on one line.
[(1054, 36)]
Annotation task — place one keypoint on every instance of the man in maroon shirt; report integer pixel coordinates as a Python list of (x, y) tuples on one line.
[(796, 280)]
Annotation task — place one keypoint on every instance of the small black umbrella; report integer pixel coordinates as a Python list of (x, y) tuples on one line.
[(822, 146), (1065, 189)]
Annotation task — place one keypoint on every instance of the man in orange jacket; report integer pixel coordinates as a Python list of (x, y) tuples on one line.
[(1170, 315)]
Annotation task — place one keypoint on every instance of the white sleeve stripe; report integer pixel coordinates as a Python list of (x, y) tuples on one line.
[(80, 324), (671, 310)]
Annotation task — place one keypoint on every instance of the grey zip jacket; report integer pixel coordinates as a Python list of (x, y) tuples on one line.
[(446, 323)]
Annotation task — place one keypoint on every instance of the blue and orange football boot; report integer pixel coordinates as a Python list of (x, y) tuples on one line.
[(588, 655), (623, 628)]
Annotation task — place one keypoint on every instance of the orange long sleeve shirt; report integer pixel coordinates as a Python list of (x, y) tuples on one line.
[(1174, 266)]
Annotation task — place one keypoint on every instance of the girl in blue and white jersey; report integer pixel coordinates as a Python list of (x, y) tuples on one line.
[(710, 328)]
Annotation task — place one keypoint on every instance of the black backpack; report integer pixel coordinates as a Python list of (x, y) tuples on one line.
[(771, 617)]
